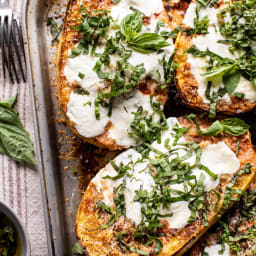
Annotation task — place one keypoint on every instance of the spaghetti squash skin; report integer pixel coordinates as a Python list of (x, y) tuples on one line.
[(172, 15), (187, 85), (175, 241)]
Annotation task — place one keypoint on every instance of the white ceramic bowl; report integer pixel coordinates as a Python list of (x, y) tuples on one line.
[(25, 247)]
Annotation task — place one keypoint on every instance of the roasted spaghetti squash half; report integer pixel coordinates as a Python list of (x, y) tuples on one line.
[(216, 56), (114, 58), (235, 233), (160, 198)]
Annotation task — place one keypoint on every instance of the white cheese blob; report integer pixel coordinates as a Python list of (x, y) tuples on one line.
[(81, 111), (152, 62), (82, 64), (83, 114), (219, 158), (213, 250), (122, 117), (210, 41), (118, 12)]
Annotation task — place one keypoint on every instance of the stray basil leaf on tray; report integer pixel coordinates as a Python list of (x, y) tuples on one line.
[(14, 139), (77, 249)]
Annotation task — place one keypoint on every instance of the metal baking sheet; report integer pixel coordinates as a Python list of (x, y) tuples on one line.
[(60, 187), (59, 151)]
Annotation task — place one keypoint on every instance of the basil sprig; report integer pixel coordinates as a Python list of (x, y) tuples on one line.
[(233, 126), (14, 139), (131, 25), (148, 42), (144, 42)]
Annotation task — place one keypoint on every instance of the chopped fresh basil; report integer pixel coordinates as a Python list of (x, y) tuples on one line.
[(203, 2), (213, 104), (81, 75), (169, 67), (55, 29), (92, 28), (237, 147), (239, 95), (143, 125)]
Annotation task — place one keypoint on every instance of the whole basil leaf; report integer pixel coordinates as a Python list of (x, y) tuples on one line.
[(218, 71), (14, 139), (231, 80), (131, 25), (20, 148), (8, 115), (234, 126), (214, 129), (77, 249), (2, 149), (15, 129), (148, 42), (10, 102)]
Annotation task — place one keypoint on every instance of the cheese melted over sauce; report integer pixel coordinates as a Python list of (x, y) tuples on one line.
[(219, 158), (202, 42), (81, 113), (213, 250)]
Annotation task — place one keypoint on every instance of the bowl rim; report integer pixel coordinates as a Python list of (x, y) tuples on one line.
[(9, 212)]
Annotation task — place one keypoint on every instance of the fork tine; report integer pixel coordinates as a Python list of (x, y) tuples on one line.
[(13, 37), (19, 29), (2, 46), (4, 42), (11, 63), (8, 43)]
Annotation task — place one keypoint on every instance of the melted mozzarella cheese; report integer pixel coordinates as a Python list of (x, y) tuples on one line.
[(219, 158), (82, 64), (210, 41), (83, 114), (118, 12), (152, 62), (213, 250), (122, 117), (81, 111)]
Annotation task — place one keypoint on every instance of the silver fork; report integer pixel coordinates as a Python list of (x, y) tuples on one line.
[(12, 44)]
